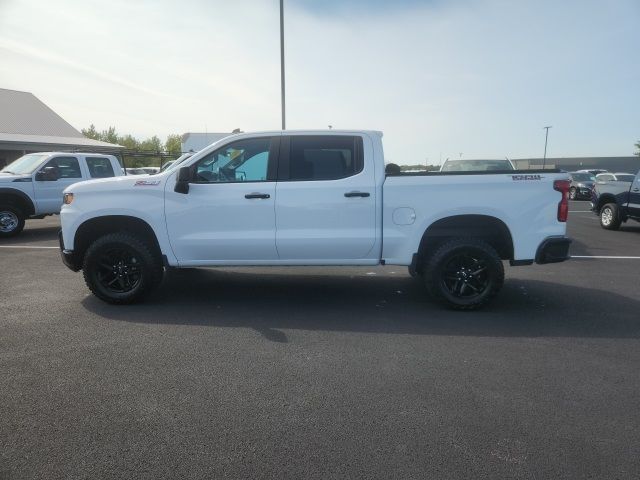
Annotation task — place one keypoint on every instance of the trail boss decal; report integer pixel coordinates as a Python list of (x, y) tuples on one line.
[(146, 183), (526, 177)]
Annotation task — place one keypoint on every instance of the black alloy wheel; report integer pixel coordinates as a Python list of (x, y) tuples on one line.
[(119, 270), (122, 268), (464, 273)]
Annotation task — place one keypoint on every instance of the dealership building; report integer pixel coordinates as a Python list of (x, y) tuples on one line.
[(28, 125)]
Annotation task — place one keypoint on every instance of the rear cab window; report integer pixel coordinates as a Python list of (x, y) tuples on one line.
[(99, 167)]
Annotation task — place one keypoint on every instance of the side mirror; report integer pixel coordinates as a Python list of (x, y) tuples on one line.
[(182, 180), (47, 174)]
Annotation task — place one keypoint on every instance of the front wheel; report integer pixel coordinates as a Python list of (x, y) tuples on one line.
[(609, 217), (573, 194), (120, 268), (464, 273), (11, 221)]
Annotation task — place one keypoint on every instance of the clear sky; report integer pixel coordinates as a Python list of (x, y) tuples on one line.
[(440, 78)]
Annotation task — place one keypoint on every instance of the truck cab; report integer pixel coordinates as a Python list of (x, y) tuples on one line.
[(32, 185)]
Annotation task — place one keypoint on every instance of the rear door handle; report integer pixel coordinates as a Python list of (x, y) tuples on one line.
[(257, 195), (636, 189), (356, 194)]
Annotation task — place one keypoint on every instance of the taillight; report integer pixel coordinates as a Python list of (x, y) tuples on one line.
[(562, 186)]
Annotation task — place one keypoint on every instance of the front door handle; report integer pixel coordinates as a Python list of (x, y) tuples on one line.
[(257, 195), (636, 189), (356, 194)]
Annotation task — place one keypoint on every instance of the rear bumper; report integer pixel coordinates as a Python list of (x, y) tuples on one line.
[(69, 258), (553, 250)]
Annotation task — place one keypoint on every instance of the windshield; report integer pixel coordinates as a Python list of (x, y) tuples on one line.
[(625, 178), (476, 165), (583, 177), (25, 164)]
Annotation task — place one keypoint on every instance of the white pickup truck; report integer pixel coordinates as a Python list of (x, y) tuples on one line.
[(313, 198), (32, 186)]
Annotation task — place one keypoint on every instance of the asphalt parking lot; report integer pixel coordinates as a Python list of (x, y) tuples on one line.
[(323, 373)]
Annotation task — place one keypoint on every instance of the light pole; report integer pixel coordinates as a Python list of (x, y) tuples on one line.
[(546, 138), (282, 62)]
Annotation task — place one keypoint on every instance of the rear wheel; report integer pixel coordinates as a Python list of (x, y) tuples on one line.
[(11, 221), (464, 273), (609, 217), (120, 268)]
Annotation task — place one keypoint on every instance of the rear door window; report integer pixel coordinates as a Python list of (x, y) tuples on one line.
[(324, 157), (99, 167)]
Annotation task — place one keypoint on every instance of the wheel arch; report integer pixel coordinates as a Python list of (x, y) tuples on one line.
[(485, 227), (96, 227), (19, 199), (603, 199)]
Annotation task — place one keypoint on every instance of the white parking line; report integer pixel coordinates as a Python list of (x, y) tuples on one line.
[(23, 246), (605, 256)]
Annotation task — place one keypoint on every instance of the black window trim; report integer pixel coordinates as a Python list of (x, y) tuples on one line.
[(272, 162), (285, 158)]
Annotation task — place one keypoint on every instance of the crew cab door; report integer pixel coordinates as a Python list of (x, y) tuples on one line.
[(228, 214), (634, 198), (326, 200), (62, 171)]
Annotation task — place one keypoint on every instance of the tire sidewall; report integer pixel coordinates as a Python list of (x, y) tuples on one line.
[(90, 269), (21, 219), (437, 264), (614, 223)]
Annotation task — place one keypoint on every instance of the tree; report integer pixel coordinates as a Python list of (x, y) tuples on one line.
[(173, 144), (91, 132), (638, 147), (149, 152)]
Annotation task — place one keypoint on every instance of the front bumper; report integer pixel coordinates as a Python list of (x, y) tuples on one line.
[(553, 250), (69, 258)]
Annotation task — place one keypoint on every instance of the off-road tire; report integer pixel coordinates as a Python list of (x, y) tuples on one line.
[(610, 217), (147, 265), (438, 273), (12, 220)]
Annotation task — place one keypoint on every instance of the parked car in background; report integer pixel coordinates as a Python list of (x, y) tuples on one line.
[(581, 185), (31, 186), (593, 171), (616, 201), (476, 165), (615, 177)]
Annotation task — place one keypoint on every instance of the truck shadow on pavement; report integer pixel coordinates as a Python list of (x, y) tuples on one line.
[(271, 302)]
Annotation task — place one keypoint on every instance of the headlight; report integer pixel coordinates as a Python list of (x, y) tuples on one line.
[(67, 198)]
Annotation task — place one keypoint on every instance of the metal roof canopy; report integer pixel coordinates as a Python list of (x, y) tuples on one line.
[(26, 123)]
